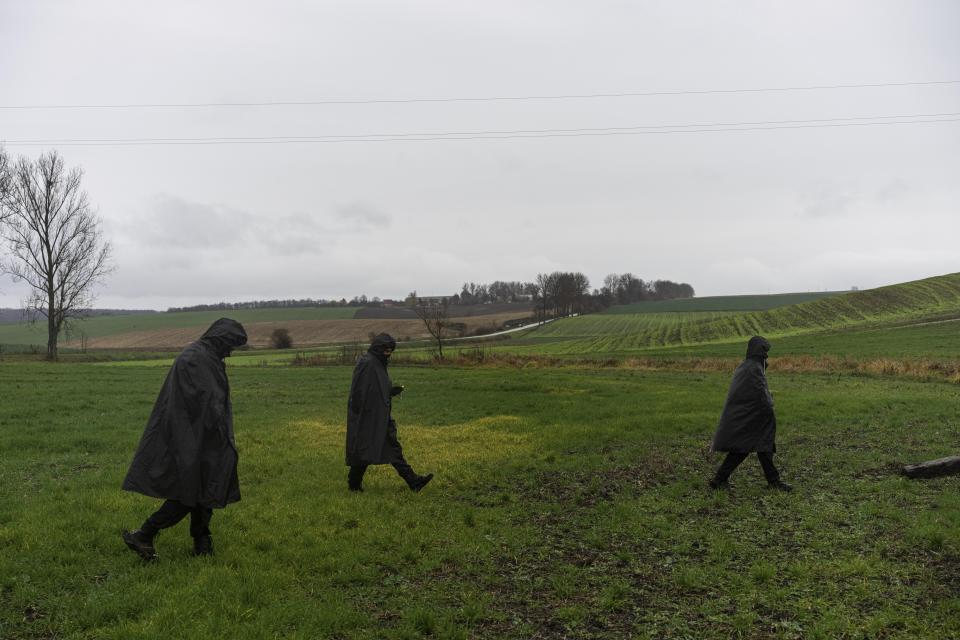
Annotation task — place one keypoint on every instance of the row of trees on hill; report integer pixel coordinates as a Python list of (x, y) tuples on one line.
[(53, 239), (559, 293), (562, 293), (556, 294), (497, 291), (565, 293), (356, 301), (627, 288), (568, 292)]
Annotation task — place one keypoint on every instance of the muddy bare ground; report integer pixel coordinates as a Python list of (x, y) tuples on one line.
[(304, 332)]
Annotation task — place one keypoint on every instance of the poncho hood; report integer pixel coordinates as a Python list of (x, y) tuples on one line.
[(758, 347), (225, 335), (381, 343)]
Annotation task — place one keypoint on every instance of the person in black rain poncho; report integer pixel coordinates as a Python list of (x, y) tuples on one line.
[(371, 432), (748, 423), (187, 455)]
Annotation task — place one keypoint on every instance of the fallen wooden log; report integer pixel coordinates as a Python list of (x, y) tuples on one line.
[(933, 468)]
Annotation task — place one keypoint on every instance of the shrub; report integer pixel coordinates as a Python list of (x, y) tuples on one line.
[(280, 339)]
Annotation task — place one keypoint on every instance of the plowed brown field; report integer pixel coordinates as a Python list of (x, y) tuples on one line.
[(304, 332)]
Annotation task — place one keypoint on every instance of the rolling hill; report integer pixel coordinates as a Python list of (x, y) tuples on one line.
[(910, 303)]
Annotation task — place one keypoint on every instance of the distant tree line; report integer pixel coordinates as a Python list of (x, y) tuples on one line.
[(563, 293), (627, 288), (559, 293), (497, 291), (356, 301), (571, 290)]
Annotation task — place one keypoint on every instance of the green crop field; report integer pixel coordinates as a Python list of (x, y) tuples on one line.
[(827, 322), (721, 303), (929, 299), (100, 326), (611, 333), (921, 340), (568, 503)]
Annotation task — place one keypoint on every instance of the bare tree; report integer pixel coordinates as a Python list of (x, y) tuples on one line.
[(544, 292), (580, 290), (55, 241), (436, 318), (4, 185)]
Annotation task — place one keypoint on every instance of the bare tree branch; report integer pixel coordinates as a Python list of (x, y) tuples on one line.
[(5, 177), (436, 318), (55, 242)]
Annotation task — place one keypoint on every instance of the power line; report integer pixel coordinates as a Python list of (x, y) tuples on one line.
[(438, 134), (491, 135), (586, 96)]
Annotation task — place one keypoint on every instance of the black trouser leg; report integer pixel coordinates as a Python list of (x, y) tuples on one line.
[(769, 470), (405, 470), (399, 462), (200, 521), (355, 477), (731, 462), (170, 513)]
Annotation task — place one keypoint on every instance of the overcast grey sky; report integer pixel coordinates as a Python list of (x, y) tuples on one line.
[(730, 212)]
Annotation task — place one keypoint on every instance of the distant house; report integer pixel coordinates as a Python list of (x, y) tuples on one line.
[(433, 299)]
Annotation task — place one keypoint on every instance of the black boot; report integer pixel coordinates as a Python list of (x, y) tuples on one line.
[(203, 546), (419, 482), (779, 485), (355, 478), (140, 543), (720, 485)]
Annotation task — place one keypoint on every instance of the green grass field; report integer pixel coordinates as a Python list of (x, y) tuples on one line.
[(570, 499), (925, 340), (878, 321), (568, 503), (721, 303)]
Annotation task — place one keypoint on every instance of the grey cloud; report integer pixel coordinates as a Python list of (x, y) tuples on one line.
[(293, 234), (178, 223), (360, 215), (828, 200), (893, 191), (277, 220), (179, 226)]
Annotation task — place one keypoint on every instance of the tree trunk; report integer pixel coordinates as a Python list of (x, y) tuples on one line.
[(933, 468), (52, 329)]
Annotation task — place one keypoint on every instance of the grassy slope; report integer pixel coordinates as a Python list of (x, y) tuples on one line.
[(721, 303), (937, 340), (110, 325), (567, 504), (603, 334)]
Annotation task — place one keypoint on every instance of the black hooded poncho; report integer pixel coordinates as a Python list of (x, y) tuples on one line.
[(748, 422), (187, 452), (368, 408)]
